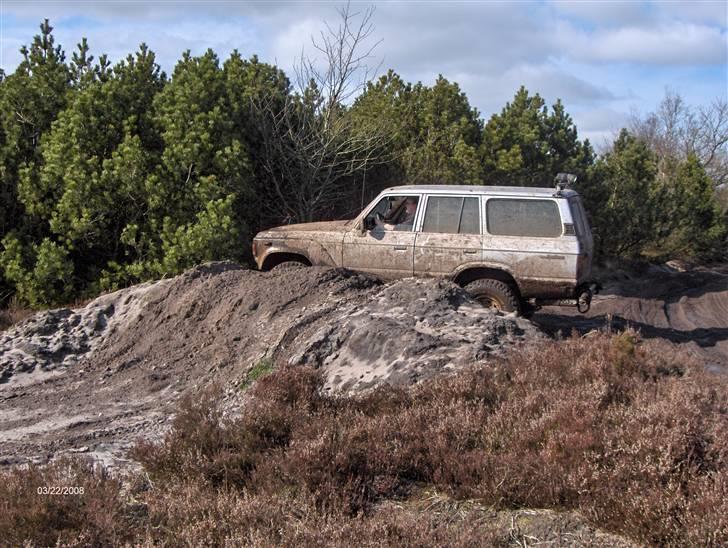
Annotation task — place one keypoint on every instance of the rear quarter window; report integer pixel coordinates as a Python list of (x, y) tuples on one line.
[(577, 211), (522, 217)]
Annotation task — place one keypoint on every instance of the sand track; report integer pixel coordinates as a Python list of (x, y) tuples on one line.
[(689, 309), (92, 380)]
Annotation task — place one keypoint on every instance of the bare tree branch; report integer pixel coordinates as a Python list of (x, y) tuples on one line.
[(676, 130), (312, 147)]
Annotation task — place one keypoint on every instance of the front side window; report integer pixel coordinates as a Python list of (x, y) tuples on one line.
[(521, 217), (449, 215), (393, 213)]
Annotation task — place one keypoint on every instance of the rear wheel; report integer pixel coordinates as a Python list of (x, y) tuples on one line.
[(494, 294)]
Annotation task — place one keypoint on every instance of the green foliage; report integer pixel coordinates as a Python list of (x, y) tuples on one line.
[(641, 210), (204, 185), (693, 225), (30, 100), (263, 367), (525, 145), (41, 273), (90, 184), (109, 176), (138, 178), (435, 133), (620, 195)]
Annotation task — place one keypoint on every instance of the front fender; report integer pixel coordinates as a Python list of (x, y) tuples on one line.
[(314, 252)]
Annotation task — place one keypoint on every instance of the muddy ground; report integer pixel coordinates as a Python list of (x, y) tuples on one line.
[(688, 308), (94, 379)]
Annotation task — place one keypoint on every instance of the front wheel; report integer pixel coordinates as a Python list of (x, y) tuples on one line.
[(494, 294), (288, 265)]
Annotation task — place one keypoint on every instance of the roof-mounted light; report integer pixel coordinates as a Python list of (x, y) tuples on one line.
[(564, 182)]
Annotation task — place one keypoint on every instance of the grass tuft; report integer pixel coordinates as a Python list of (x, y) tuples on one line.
[(263, 367)]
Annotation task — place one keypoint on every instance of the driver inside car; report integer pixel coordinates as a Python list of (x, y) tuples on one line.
[(401, 216)]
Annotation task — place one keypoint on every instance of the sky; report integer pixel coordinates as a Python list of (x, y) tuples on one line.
[(605, 60)]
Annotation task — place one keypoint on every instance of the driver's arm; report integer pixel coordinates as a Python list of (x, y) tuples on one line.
[(379, 221)]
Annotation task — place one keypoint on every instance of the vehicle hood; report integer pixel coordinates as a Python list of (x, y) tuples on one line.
[(298, 229)]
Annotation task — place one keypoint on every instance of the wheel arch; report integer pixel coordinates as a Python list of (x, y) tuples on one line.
[(472, 273), (278, 257)]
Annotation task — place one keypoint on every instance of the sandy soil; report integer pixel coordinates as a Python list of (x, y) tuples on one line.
[(92, 380), (687, 308)]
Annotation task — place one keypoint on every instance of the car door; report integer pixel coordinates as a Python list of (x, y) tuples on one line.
[(449, 235), (386, 251), (525, 235)]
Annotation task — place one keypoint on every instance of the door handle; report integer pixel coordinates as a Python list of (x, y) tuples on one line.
[(470, 251), (400, 248)]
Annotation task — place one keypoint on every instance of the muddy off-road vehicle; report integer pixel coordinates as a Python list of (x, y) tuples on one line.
[(512, 248)]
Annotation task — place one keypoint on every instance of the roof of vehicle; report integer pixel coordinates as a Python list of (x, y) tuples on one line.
[(488, 190)]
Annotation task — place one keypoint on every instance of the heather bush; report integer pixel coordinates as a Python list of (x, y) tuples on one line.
[(97, 517), (629, 434)]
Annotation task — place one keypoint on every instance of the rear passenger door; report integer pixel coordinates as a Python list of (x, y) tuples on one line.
[(449, 235)]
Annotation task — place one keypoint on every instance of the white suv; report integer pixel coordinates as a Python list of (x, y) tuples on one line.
[(505, 245)]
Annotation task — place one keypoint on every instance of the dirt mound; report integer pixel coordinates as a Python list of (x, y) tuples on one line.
[(94, 379), (688, 308), (60, 338), (408, 331)]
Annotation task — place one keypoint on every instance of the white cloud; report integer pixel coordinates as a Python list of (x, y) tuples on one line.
[(676, 43), (600, 58), (604, 13), (702, 11), (600, 125)]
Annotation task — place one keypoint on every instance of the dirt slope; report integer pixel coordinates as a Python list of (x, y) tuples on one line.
[(688, 308), (94, 379)]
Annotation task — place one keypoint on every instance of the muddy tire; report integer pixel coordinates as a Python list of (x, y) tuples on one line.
[(287, 265), (494, 294)]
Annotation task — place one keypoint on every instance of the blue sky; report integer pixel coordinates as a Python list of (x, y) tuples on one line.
[(604, 59)]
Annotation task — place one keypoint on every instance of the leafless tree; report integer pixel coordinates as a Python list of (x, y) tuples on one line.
[(312, 148), (676, 130)]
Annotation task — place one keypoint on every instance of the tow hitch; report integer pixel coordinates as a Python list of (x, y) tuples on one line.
[(585, 293), (583, 298), (583, 302)]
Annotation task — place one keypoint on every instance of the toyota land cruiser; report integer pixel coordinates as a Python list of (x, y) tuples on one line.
[(505, 245)]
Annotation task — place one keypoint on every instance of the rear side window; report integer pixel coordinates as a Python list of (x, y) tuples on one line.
[(452, 215), (577, 211), (520, 217)]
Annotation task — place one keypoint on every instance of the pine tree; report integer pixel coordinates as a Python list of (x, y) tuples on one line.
[(204, 184), (693, 226), (90, 186), (525, 145), (30, 100), (623, 199), (435, 133)]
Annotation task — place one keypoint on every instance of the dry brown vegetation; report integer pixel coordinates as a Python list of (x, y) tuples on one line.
[(629, 434), (13, 314)]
